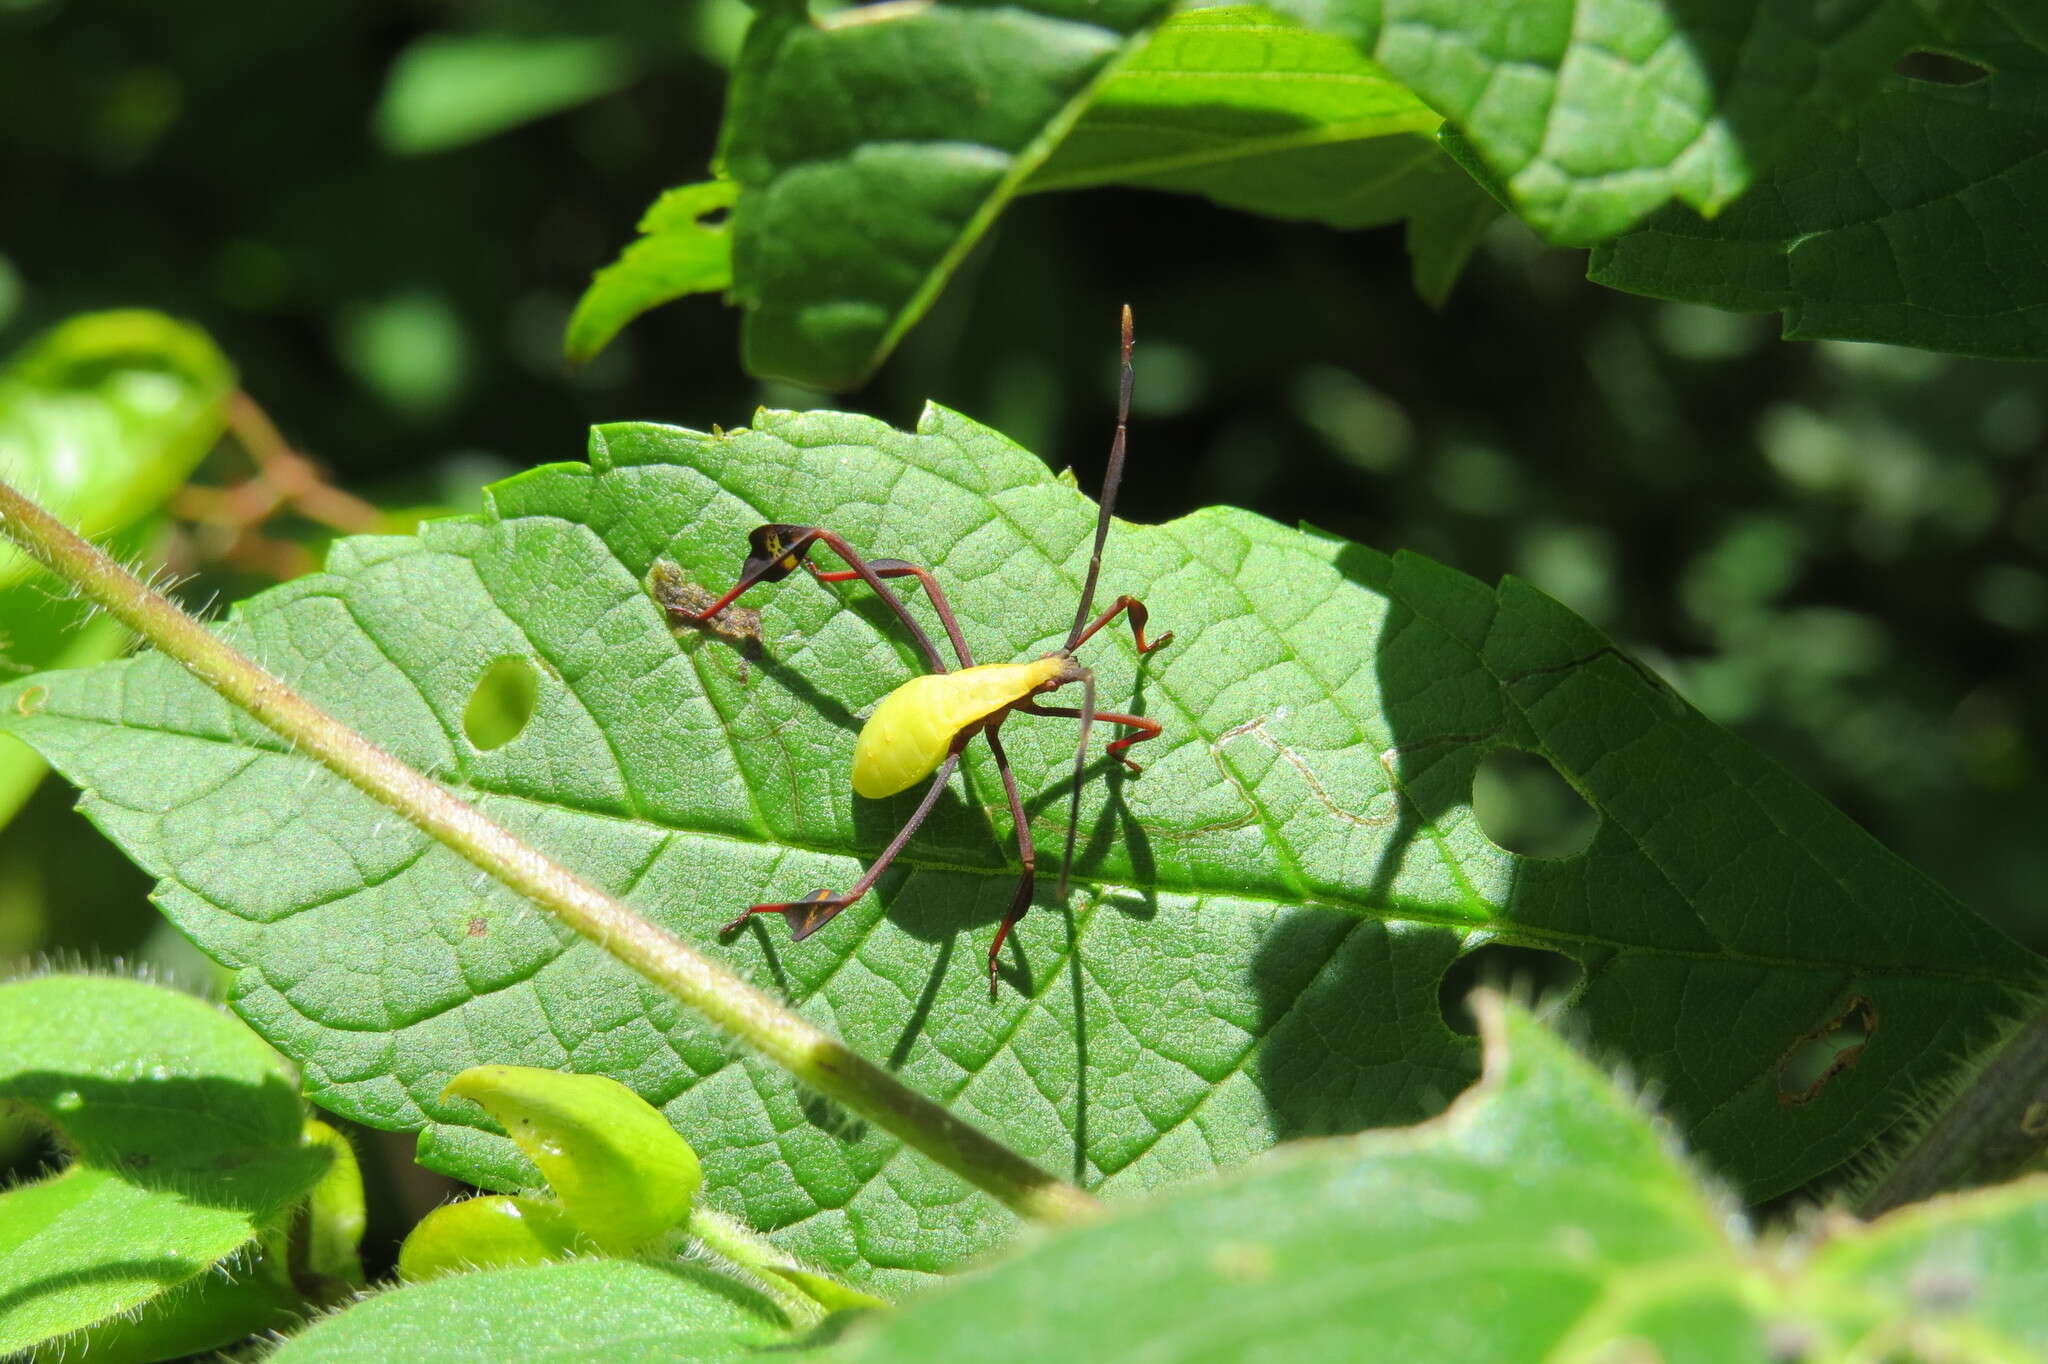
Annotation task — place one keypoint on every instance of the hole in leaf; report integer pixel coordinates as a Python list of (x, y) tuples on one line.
[(31, 700), (1826, 1052), (1524, 806), (1528, 973), (714, 217), (502, 703), (1940, 68)]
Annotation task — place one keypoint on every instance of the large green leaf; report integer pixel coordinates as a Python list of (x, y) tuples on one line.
[(1595, 112), (1263, 920), (1250, 109), (1917, 222), (188, 1144), (1546, 1217), (873, 148), (599, 1310)]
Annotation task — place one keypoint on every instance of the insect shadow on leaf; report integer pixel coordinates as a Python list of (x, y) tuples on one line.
[(920, 729)]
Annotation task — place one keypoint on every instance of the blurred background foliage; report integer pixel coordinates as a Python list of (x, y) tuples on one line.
[(383, 213)]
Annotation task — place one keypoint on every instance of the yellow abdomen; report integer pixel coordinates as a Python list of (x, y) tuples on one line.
[(907, 736)]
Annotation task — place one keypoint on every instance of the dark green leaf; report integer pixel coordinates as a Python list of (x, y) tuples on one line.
[(1264, 917), (1915, 223), (874, 147)]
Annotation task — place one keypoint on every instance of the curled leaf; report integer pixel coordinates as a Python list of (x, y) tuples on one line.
[(622, 1173), (497, 1232)]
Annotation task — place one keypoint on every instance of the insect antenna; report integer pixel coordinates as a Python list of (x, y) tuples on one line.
[(1111, 477)]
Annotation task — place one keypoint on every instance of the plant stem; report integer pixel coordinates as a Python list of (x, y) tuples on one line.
[(801, 1293), (1989, 1132), (822, 1062)]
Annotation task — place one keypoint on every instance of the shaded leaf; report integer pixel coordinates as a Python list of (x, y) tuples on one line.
[(590, 1309), (1253, 111), (1264, 917), (874, 147), (1913, 223), (188, 1144)]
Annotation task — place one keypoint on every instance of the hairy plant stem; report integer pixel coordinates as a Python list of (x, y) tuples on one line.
[(822, 1062), (804, 1295), (1991, 1130)]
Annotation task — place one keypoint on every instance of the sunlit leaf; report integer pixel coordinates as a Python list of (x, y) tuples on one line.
[(187, 1144), (1253, 111), (1262, 923), (597, 1310)]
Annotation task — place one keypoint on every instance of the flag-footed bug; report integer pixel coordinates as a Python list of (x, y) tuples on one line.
[(922, 726)]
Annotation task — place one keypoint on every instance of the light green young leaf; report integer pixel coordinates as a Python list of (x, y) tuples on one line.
[(685, 247), (1595, 112), (1254, 111), (873, 148), (494, 1231), (447, 90), (1263, 918), (622, 1173), (1917, 222), (597, 1310), (188, 1143)]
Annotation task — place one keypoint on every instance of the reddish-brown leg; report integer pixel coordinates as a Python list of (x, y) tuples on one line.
[(779, 548), (898, 568), (814, 911), (1027, 855), (1138, 618), (1147, 729)]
